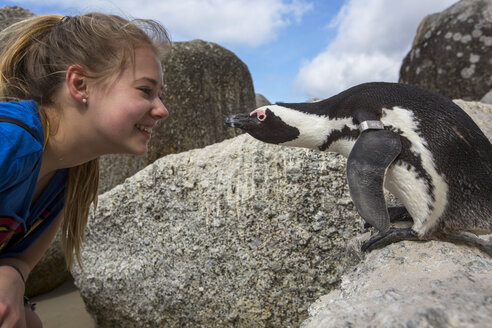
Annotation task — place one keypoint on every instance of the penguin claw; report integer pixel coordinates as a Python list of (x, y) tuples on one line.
[(393, 235)]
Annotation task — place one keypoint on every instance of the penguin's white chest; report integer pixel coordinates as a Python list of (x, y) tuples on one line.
[(425, 200), (404, 183), (342, 146)]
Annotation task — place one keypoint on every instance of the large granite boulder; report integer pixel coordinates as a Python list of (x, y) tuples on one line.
[(411, 285), (481, 113), (452, 50), (487, 98), (261, 100), (240, 233), (115, 168), (50, 272), (203, 83), (12, 14)]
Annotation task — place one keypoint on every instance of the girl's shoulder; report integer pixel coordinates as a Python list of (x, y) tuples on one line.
[(20, 126), (24, 111), (20, 145)]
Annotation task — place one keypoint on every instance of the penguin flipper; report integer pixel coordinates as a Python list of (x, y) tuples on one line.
[(371, 155)]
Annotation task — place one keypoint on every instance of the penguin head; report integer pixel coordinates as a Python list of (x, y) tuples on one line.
[(264, 125)]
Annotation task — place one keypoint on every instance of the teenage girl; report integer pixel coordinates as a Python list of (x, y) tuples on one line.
[(71, 89)]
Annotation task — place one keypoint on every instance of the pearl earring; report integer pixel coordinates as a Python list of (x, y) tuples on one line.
[(84, 100)]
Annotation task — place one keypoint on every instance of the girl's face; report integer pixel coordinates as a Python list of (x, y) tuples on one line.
[(124, 111)]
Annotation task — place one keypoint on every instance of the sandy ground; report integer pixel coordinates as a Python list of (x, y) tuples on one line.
[(63, 307)]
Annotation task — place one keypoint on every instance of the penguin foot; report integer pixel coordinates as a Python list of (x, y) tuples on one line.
[(396, 214), (393, 235)]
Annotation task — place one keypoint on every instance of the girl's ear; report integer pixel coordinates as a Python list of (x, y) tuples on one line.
[(77, 84)]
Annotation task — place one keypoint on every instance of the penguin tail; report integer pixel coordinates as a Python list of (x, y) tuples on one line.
[(468, 239)]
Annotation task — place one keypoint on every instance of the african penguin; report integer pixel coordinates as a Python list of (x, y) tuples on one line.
[(420, 146)]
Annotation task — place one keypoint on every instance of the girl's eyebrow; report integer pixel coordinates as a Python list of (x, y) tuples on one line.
[(148, 79)]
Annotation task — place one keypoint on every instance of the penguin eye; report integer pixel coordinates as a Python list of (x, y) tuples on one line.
[(260, 114)]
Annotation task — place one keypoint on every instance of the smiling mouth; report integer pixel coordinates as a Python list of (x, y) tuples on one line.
[(147, 129)]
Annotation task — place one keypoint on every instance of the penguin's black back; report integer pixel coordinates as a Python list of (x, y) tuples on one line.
[(372, 97)]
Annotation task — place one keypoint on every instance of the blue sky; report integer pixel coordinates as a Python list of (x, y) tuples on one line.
[(294, 49)]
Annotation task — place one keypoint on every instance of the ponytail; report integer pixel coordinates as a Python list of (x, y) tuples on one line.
[(21, 42)]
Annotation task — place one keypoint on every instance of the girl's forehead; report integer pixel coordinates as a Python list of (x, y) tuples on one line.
[(146, 58), (146, 65)]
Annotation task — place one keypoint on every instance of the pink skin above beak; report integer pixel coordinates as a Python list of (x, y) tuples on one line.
[(260, 114)]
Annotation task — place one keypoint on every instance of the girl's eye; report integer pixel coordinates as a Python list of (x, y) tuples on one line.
[(146, 90)]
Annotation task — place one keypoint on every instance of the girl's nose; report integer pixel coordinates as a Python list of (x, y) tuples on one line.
[(160, 111)]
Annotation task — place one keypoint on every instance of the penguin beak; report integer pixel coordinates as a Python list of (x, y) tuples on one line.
[(242, 121)]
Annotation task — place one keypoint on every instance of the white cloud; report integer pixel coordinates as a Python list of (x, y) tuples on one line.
[(236, 22), (373, 36), (249, 22)]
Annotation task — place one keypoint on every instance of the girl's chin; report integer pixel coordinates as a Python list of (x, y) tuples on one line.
[(140, 150)]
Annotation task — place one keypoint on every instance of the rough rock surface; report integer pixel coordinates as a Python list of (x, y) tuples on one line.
[(410, 285), (12, 14), (451, 53), (487, 98), (240, 233), (481, 113), (50, 272), (115, 168), (203, 84), (261, 100)]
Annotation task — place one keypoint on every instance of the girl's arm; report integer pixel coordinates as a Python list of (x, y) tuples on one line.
[(11, 285), (31, 256)]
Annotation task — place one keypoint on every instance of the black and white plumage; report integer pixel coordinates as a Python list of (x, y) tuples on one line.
[(419, 145)]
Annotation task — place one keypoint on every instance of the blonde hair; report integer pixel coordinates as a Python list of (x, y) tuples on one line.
[(36, 54)]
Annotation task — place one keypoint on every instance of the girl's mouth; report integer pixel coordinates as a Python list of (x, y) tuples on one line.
[(143, 128)]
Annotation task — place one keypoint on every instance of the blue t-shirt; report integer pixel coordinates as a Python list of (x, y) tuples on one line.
[(21, 222)]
